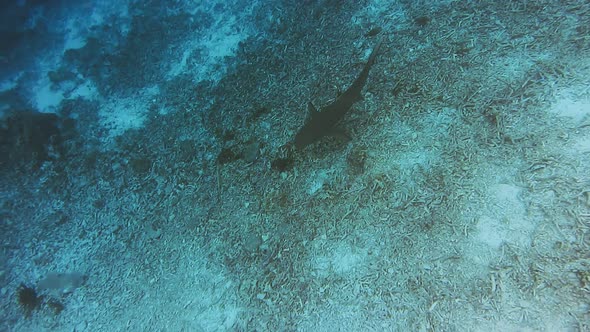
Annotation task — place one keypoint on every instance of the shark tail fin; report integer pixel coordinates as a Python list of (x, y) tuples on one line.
[(374, 52)]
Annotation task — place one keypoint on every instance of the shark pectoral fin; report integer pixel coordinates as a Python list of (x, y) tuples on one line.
[(340, 133)]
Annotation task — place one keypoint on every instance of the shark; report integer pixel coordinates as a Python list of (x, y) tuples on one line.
[(323, 122)]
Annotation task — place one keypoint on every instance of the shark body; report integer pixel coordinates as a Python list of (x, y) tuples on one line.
[(322, 123)]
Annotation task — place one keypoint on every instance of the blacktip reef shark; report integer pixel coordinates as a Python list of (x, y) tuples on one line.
[(323, 123)]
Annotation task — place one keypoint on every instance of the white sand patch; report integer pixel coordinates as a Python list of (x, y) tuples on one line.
[(44, 98), (512, 67), (574, 104), (410, 159), (86, 90), (339, 318), (424, 152), (6, 85), (340, 259), (204, 53), (77, 26), (213, 308), (504, 220), (489, 232), (573, 108), (208, 52), (317, 181), (376, 9), (120, 115), (73, 38), (346, 260), (581, 145)]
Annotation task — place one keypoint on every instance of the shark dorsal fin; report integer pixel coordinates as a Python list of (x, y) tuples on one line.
[(311, 111)]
